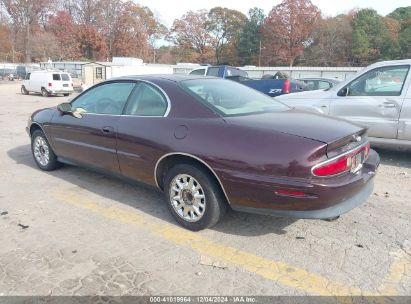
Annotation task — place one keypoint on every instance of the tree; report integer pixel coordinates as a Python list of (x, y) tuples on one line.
[(5, 43), (135, 31), (26, 14), (403, 16), (371, 38), (331, 43), (225, 26), (248, 46), (190, 32), (62, 27), (288, 28), (91, 44)]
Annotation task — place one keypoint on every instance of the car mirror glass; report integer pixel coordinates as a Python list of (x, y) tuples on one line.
[(343, 92), (64, 107)]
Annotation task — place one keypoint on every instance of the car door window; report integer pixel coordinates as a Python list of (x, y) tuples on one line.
[(146, 100), (108, 98), (198, 72), (384, 81), (213, 71), (323, 85)]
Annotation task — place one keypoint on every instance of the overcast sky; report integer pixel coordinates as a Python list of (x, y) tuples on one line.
[(168, 10)]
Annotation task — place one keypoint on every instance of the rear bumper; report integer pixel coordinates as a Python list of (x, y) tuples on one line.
[(68, 91), (328, 197), (335, 210)]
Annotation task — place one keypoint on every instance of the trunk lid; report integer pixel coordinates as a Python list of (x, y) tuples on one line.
[(335, 132)]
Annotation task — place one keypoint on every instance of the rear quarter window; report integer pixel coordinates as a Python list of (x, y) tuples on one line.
[(65, 77)]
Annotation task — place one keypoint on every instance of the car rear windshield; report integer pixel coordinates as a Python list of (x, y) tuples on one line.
[(64, 77), (229, 98)]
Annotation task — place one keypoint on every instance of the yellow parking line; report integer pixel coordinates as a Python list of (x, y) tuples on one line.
[(399, 267), (278, 272)]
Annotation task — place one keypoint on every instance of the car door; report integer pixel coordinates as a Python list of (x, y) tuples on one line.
[(404, 126), (142, 124), (90, 138), (374, 99)]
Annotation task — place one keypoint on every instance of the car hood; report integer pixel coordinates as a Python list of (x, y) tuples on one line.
[(314, 126), (317, 94)]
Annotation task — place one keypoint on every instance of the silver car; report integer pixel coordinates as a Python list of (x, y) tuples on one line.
[(378, 97)]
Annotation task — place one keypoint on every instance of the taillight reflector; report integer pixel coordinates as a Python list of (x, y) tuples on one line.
[(291, 193), (50, 84), (287, 85)]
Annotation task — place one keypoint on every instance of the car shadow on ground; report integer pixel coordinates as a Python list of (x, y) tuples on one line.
[(398, 157), (150, 200)]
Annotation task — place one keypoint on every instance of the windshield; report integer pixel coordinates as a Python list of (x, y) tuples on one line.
[(229, 98)]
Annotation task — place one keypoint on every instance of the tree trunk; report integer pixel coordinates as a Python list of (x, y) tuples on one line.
[(27, 51)]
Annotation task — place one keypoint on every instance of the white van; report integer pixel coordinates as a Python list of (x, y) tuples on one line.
[(47, 83)]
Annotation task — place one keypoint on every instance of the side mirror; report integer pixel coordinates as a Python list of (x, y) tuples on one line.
[(64, 107), (343, 92)]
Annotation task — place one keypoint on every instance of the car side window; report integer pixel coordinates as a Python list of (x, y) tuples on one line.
[(146, 100), (322, 85), (198, 72), (107, 98), (213, 71), (384, 81)]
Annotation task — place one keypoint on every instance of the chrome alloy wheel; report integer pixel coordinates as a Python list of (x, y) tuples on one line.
[(187, 198), (41, 151)]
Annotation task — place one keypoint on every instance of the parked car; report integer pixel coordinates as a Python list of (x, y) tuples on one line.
[(269, 84), (378, 97), (319, 83), (47, 83), (210, 143)]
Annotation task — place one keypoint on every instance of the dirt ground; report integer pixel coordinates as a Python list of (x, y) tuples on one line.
[(75, 232)]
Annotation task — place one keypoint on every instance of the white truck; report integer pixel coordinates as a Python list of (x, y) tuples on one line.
[(47, 83), (377, 97)]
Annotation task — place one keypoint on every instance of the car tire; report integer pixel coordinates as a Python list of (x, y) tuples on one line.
[(44, 92), (24, 91), (42, 152), (201, 203)]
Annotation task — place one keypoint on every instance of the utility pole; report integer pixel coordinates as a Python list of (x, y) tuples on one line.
[(259, 55)]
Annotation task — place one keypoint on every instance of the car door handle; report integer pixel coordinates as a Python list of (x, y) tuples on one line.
[(107, 130), (388, 105)]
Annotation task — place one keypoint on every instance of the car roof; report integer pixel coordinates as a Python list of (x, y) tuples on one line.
[(170, 77), (319, 78)]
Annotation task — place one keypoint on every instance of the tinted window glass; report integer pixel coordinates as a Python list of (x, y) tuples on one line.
[(56, 76), (235, 72), (198, 72), (146, 101), (104, 99), (324, 85), (65, 77), (384, 81), (230, 98), (213, 71)]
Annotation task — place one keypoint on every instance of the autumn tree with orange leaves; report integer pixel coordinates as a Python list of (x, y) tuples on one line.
[(287, 30)]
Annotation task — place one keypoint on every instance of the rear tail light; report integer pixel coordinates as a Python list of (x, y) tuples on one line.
[(50, 84), (350, 161), (286, 87)]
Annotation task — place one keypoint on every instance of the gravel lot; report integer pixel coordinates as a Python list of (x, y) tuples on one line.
[(75, 232)]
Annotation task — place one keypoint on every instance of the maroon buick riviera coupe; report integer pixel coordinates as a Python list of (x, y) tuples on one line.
[(210, 143)]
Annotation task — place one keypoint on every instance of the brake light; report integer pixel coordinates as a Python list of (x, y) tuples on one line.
[(286, 87), (351, 161), (291, 193), (50, 84)]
